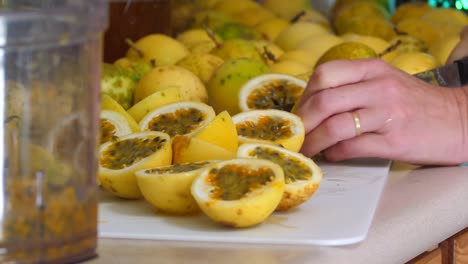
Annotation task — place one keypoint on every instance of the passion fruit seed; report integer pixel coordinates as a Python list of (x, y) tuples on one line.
[(177, 168), (181, 122), (293, 168), (232, 182), (274, 95), (107, 131), (124, 153), (266, 128)]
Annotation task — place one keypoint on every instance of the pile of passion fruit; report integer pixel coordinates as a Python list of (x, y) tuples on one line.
[(183, 157)]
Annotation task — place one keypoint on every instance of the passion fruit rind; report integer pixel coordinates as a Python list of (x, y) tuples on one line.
[(259, 188), (271, 126), (302, 175), (178, 168), (180, 118), (112, 125), (168, 188), (271, 91), (119, 159)]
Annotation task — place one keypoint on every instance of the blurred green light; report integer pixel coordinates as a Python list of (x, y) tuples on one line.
[(433, 2), (446, 4), (465, 3), (458, 5)]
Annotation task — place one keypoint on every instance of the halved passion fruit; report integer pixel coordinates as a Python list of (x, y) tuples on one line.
[(113, 125), (221, 131), (108, 103), (119, 160), (239, 192), (154, 101), (271, 91), (270, 126), (181, 118), (302, 176), (191, 149), (168, 188)]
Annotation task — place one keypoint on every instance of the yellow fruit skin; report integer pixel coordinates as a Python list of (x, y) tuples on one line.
[(442, 48), (305, 57), (202, 65), (420, 29), (295, 193), (231, 7), (221, 132), (157, 99), (160, 78), (202, 47), (439, 15), (107, 103), (274, 51), (253, 16), (410, 10), (314, 16), (293, 143), (292, 36), (289, 10), (193, 36), (377, 44), (187, 149), (248, 211), (350, 50), (271, 28), (290, 67), (408, 43), (169, 193), (223, 88), (364, 25), (236, 48), (361, 8), (122, 183), (317, 45), (161, 49), (415, 62)]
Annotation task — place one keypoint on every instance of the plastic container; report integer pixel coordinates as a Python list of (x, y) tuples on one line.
[(133, 19), (50, 59)]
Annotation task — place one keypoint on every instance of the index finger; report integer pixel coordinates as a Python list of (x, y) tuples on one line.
[(341, 72)]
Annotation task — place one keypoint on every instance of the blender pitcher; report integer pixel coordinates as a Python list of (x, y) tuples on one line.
[(50, 57)]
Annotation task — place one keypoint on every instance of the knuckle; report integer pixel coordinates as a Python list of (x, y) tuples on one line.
[(333, 128), (322, 102), (319, 75), (376, 63)]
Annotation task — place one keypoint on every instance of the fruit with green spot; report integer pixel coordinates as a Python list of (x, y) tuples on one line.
[(118, 84), (223, 88)]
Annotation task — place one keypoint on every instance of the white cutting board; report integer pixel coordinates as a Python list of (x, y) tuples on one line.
[(339, 213)]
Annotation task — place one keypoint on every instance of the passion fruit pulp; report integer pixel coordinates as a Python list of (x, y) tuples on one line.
[(119, 159), (302, 175), (181, 118), (270, 126), (271, 91), (239, 192)]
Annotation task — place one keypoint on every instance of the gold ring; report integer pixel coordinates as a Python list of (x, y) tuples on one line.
[(357, 123)]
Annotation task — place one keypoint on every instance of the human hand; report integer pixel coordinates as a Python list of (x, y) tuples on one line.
[(461, 50), (401, 117)]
